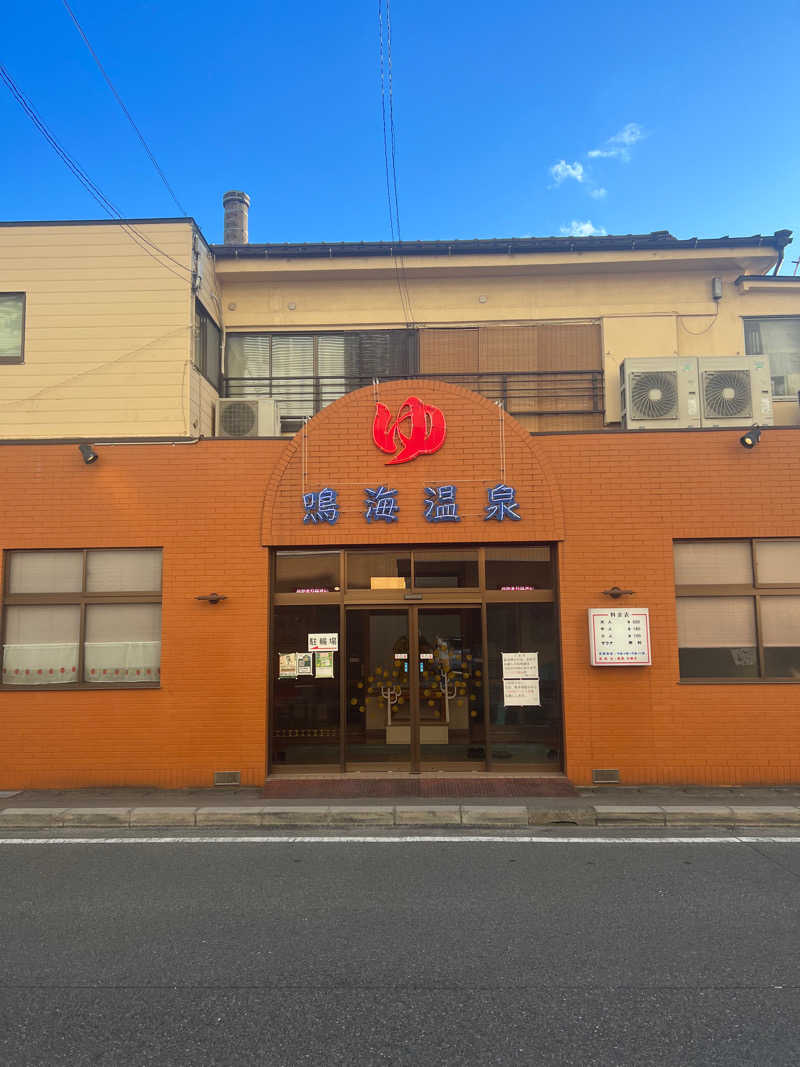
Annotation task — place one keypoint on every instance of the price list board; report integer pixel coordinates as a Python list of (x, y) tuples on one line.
[(620, 637)]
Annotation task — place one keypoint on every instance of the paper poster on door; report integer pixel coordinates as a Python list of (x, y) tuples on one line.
[(287, 665), (520, 664), (304, 665), (521, 692), (323, 662)]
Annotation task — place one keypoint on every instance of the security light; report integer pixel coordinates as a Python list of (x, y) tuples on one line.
[(88, 453), (751, 438)]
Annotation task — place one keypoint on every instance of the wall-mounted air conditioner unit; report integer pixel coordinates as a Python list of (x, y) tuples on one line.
[(659, 394), (735, 391), (254, 417)]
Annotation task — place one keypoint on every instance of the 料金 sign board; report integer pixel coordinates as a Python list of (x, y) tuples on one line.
[(620, 637)]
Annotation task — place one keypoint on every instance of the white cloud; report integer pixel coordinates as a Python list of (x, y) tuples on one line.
[(562, 170), (582, 229), (618, 146), (598, 193)]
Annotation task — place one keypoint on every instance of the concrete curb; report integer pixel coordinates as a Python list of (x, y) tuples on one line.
[(434, 815)]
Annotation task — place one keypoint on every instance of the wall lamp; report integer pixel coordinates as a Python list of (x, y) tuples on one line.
[(88, 453), (212, 598), (615, 592), (751, 438)]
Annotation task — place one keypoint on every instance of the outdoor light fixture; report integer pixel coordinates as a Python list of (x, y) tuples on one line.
[(751, 438), (212, 598), (88, 453), (615, 592)]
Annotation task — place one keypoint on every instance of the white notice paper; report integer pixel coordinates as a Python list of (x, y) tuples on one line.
[(521, 692), (520, 664), (323, 642)]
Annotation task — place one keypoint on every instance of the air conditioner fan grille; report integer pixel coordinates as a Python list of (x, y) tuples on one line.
[(238, 419), (654, 395), (726, 394)]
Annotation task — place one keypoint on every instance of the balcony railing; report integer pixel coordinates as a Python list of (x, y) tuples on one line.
[(564, 392)]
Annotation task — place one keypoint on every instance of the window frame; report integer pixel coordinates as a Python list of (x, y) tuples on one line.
[(15, 361), (747, 321), (82, 599), (757, 591), (317, 398), (200, 350)]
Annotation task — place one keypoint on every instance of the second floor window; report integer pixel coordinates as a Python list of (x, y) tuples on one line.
[(207, 346), (779, 338), (306, 371), (12, 327)]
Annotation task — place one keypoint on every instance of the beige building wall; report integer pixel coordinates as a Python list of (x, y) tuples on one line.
[(108, 329), (649, 303)]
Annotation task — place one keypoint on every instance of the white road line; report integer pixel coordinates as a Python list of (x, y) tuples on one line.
[(472, 839)]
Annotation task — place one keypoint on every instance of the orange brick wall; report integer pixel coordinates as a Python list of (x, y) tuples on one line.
[(614, 501)]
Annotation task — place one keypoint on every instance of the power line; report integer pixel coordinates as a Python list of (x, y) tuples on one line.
[(390, 158), (94, 190), (125, 111)]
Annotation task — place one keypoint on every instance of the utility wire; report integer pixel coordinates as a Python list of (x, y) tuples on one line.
[(390, 157), (94, 190), (125, 111)]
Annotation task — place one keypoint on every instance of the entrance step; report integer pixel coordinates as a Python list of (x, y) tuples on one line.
[(451, 788)]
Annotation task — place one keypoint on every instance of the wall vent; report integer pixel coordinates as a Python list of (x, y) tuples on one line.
[(605, 777), (227, 777)]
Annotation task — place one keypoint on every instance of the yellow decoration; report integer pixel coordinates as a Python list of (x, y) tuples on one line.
[(469, 656), (370, 679), (473, 714), (426, 692), (472, 696), (478, 684), (360, 685), (477, 674), (354, 701), (362, 709), (401, 700), (431, 703)]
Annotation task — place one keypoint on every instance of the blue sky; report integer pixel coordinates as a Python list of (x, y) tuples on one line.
[(675, 117)]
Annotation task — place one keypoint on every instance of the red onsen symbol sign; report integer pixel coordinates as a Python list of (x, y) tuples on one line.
[(419, 427)]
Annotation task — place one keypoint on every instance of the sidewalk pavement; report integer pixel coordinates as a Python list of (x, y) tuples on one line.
[(238, 807)]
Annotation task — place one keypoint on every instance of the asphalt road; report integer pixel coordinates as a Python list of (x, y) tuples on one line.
[(393, 952)]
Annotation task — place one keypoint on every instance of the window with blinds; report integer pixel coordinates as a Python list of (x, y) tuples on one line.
[(306, 371), (738, 609), (779, 339)]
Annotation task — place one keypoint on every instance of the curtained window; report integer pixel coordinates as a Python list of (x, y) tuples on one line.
[(738, 609), (79, 617)]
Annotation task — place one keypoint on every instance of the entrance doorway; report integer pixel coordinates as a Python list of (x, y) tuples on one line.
[(410, 659), (414, 682)]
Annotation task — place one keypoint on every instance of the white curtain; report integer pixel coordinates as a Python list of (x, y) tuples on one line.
[(48, 664), (123, 661)]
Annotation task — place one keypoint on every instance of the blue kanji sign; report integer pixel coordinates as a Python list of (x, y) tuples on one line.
[(440, 504), (381, 504), (502, 503), (321, 507)]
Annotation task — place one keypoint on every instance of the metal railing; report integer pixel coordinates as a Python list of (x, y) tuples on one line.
[(563, 392)]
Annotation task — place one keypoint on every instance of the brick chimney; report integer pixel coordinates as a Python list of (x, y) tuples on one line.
[(236, 205)]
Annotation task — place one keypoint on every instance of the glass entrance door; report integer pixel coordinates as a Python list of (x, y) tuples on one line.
[(414, 689), (379, 690), (450, 721)]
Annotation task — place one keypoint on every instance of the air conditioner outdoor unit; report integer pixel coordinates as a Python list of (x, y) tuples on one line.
[(253, 417), (735, 391), (659, 394)]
